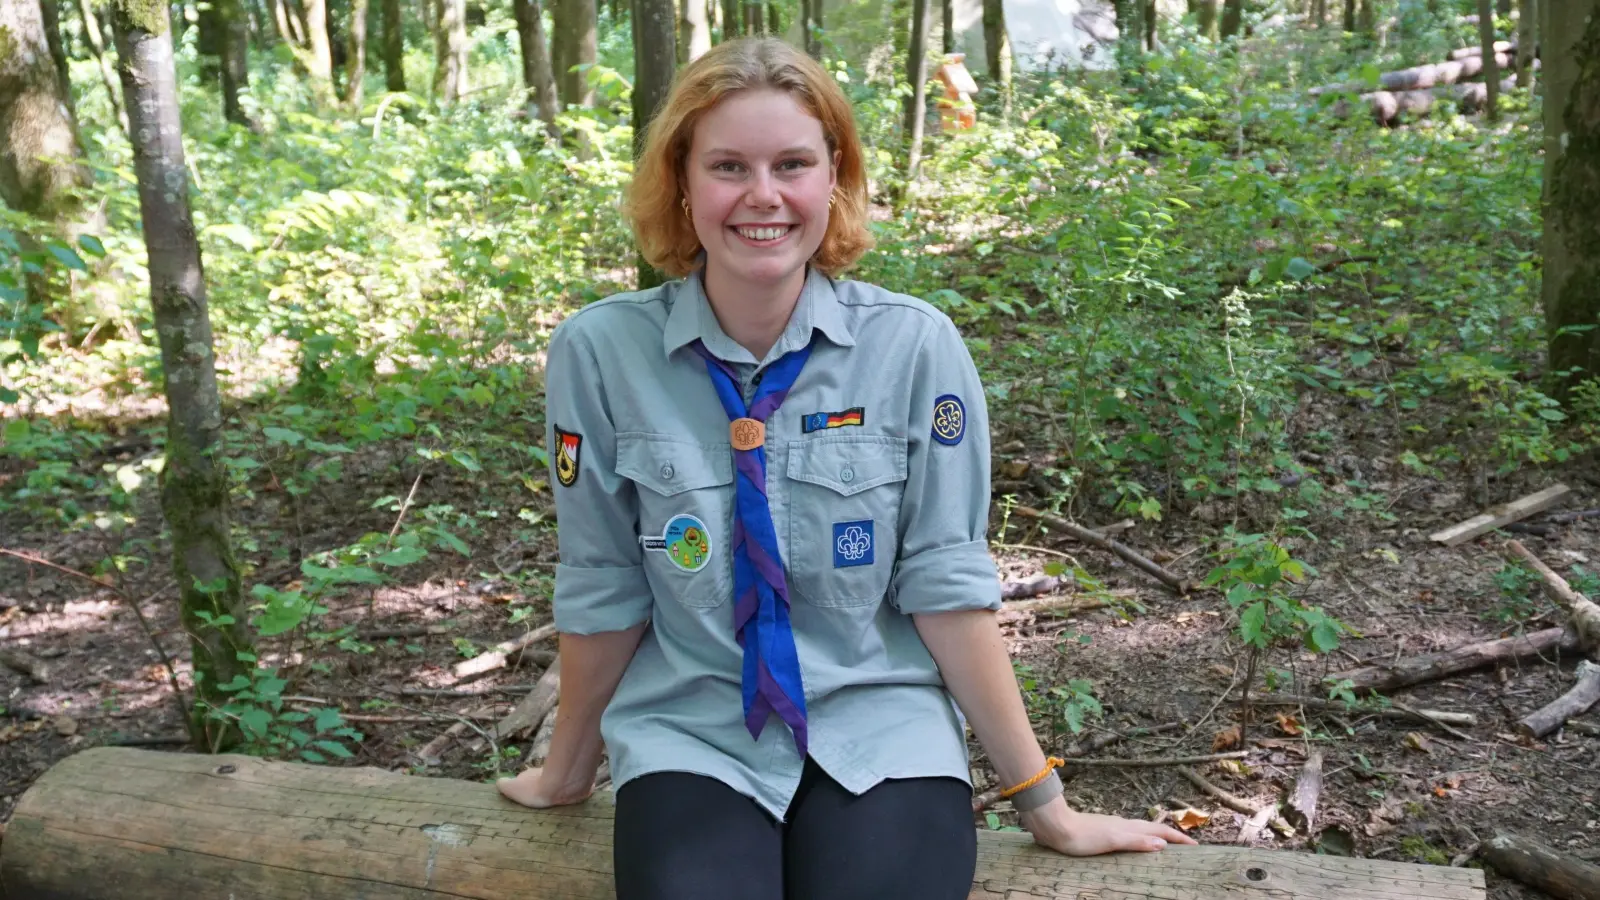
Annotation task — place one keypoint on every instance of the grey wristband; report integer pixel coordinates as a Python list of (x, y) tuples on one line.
[(1038, 795)]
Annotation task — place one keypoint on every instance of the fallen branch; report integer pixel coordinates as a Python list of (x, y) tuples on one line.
[(1080, 533), (1465, 720), (1433, 666), (1154, 762), (408, 631), (432, 753), (1584, 613), (1504, 514), (1557, 874), (1234, 803), (1301, 811), (1064, 606), (531, 711), (1443, 725), (1251, 830), (496, 658), (540, 750), (1083, 748), (27, 664), (1575, 702)]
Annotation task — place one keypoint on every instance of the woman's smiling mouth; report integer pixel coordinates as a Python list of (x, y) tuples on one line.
[(762, 235)]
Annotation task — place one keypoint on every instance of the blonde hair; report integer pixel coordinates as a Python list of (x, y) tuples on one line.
[(665, 235)]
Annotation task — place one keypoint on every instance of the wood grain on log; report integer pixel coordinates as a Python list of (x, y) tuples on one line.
[(1557, 874), (1575, 702), (1433, 666), (119, 824)]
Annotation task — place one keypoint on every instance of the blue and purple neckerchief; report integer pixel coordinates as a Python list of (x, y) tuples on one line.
[(771, 677)]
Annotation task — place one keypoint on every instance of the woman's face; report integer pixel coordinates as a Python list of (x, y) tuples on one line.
[(759, 176)]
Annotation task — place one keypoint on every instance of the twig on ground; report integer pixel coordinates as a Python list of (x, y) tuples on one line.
[(1428, 716), (1232, 802), (1162, 761), (496, 658), (1078, 532)]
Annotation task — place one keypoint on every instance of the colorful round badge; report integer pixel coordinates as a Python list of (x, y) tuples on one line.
[(688, 543), (949, 420)]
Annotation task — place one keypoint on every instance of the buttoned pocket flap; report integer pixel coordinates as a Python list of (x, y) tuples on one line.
[(669, 465), (848, 465)]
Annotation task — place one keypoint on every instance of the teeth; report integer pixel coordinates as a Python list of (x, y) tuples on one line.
[(764, 234)]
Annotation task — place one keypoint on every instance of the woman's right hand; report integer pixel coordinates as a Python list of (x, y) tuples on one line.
[(536, 789)]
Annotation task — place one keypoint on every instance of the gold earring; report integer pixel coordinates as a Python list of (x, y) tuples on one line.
[(831, 199), (686, 213)]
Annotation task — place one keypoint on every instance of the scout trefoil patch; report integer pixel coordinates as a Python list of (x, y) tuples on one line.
[(949, 420), (568, 445), (852, 544), (822, 421), (685, 540)]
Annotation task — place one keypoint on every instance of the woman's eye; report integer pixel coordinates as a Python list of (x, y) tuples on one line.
[(793, 165), (726, 167)]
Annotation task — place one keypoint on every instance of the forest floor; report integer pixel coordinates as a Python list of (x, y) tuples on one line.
[(1393, 789)]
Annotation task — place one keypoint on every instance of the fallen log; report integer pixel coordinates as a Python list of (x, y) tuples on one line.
[(1037, 586), (1584, 614), (1499, 47), (1416, 77), (1434, 666), (121, 824), (1079, 533), (1301, 810), (37, 670), (1504, 514), (1575, 702), (1557, 874)]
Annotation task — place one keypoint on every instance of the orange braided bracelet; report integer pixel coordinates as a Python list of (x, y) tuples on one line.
[(1049, 766)]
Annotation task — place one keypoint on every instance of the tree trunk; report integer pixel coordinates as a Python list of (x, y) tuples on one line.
[(1527, 41), (212, 38), (947, 27), (754, 20), (1152, 23), (917, 73), (450, 51), (1502, 8), (1319, 12), (1367, 19), (1350, 16), (696, 29), (1232, 18), (774, 21), (536, 75), (996, 43), (1571, 54), (654, 61), (194, 488), (306, 34), (572, 45), (58, 52), (394, 46), (1491, 71), (1206, 16), (40, 153), (235, 58), (730, 19), (97, 47), (356, 65)]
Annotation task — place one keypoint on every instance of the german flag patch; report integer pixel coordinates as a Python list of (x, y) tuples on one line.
[(824, 420)]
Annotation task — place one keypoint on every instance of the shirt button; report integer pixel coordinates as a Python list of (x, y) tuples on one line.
[(667, 471), (847, 474)]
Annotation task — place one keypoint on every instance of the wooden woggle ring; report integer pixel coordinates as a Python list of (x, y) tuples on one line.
[(747, 434)]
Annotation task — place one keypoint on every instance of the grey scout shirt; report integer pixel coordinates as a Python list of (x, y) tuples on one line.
[(878, 481)]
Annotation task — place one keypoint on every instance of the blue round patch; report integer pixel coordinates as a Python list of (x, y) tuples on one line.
[(949, 420)]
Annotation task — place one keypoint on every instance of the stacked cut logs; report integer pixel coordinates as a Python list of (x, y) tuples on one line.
[(1419, 89)]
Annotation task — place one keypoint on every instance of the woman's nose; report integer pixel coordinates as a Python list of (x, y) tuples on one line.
[(763, 193)]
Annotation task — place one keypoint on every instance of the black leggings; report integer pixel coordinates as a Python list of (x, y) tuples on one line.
[(681, 836)]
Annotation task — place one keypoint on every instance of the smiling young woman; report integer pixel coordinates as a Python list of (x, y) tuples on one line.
[(774, 592)]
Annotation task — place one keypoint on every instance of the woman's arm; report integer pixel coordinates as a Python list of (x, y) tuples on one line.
[(591, 667), (972, 658)]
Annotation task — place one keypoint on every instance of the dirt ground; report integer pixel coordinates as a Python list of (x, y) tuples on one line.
[(1394, 789)]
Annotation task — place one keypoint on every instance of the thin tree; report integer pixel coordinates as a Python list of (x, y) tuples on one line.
[(304, 30), (194, 488), (449, 51), (655, 59), (1151, 20), (1232, 18), (1350, 16), (356, 56), (731, 19), (97, 48), (1527, 40), (537, 78), (235, 58), (947, 27), (812, 23), (1491, 67), (211, 40), (394, 46), (58, 51), (917, 74), (695, 39), (1571, 242), (573, 45), (754, 18), (1206, 17), (996, 43), (41, 156)]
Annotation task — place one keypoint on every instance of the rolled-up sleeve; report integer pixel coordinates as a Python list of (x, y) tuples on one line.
[(600, 580), (944, 561)]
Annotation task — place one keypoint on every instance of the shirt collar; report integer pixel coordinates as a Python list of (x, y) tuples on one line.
[(691, 318)]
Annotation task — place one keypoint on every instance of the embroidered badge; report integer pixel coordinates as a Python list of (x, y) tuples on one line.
[(686, 542), (949, 420), (852, 544), (568, 446), (824, 420)]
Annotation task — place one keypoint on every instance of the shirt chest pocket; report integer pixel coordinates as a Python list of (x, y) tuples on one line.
[(844, 514), (685, 508)]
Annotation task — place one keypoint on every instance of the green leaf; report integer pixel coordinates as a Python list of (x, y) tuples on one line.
[(15, 430), (283, 436), (335, 749), (340, 575), (1360, 358), (465, 460), (1253, 624), (1299, 269), (7, 395), (401, 556), (91, 245), (1323, 637), (67, 256), (255, 721)]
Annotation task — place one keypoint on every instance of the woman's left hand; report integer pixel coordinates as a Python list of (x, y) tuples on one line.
[(1085, 834)]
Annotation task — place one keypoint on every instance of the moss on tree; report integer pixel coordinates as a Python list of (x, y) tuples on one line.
[(145, 15)]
